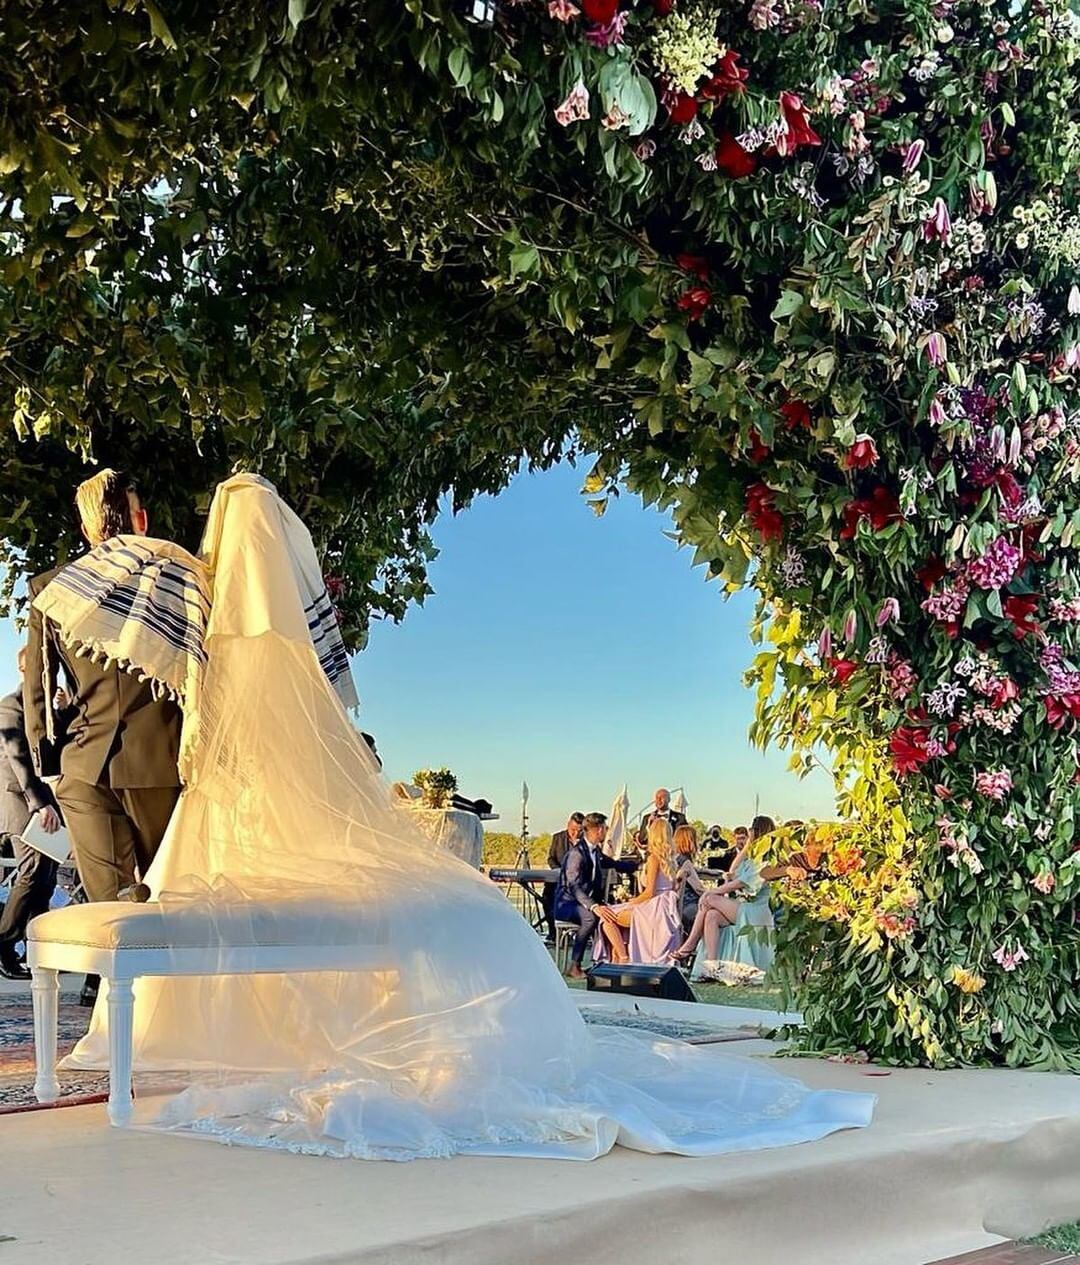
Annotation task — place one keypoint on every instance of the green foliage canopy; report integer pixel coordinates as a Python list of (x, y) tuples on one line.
[(802, 271)]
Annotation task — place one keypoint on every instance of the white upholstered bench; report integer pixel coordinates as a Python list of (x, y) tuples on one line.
[(121, 942)]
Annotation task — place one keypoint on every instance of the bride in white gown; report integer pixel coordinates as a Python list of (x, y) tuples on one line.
[(469, 1042)]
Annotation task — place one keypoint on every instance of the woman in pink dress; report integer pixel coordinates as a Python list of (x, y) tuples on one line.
[(651, 917)]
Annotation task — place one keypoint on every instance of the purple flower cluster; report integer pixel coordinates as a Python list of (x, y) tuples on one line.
[(997, 566), (1065, 610), (949, 604), (1061, 678)]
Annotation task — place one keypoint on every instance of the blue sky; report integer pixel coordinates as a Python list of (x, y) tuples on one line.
[(577, 653), (572, 652)]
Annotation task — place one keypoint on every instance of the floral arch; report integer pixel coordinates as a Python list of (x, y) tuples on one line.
[(803, 271)]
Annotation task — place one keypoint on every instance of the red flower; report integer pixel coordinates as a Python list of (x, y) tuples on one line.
[(1059, 710), (766, 519), (732, 159), (930, 572), (1004, 691), (1011, 491), (797, 118), (757, 451), (694, 301), (1020, 611), (599, 12), (862, 454), (1029, 538), (842, 670), (695, 265), (728, 79), (662, 7), (884, 508), (680, 107), (796, 413), (881, 507), (908, 749)]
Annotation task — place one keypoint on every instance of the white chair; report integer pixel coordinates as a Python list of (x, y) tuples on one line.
[(122, 942)]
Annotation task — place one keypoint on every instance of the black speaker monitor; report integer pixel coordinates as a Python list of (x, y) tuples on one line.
[(640, 981)]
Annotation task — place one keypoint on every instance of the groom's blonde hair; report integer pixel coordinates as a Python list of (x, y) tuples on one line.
[(104, 505)]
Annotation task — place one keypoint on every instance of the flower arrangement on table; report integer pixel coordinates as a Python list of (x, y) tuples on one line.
[(437, 786)]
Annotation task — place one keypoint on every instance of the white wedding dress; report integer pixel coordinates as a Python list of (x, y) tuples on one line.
[(470, 1041)]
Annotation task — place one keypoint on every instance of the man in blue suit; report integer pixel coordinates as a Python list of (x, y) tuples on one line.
[(580, 891)]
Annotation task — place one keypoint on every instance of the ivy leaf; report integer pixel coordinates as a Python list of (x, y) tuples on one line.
[(297, 12), (459, 67), (624, 87), (159, 28), (787, 305), (524, 261)]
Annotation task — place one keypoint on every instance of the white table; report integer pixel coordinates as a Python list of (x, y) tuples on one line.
[(458, 832)]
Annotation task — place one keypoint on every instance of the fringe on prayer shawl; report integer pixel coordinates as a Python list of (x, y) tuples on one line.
[(97, 653)]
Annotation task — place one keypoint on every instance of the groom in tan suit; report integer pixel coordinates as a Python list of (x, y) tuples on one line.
[(118, 779)]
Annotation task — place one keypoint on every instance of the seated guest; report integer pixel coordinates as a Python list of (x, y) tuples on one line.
[(720, 853), (579, 892), (561, 843), (688, 884), (652, 916), (743, 899)]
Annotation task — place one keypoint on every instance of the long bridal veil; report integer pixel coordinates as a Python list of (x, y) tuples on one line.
[(458, 1036)]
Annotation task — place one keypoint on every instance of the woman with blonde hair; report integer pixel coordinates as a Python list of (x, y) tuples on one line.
[(651, 917)]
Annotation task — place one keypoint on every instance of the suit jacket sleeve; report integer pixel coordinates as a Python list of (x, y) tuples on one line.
[(624, 865), (575, 878), (554, 860), (34, 700), (17, 751)]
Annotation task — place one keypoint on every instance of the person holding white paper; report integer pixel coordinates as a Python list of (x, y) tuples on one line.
[(24, 798)]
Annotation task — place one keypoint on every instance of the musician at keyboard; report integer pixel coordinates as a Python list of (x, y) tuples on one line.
[(580, 889), (561, 843)]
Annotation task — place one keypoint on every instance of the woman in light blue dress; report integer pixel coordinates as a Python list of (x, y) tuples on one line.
[(741, 901)]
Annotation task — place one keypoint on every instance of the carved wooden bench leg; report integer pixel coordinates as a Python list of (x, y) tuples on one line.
[(45, 990), (121, 1020)]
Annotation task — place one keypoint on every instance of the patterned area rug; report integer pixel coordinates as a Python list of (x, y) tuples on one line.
[(17, 1051), (17, 1045), (696, 1033)]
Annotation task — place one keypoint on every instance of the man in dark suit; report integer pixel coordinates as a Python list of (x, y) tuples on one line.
[(660, 811), (118, 780), (580, 891), (561, 843), (23, 795)]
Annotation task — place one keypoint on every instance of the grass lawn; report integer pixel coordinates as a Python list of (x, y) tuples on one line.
[(1064, 1239)]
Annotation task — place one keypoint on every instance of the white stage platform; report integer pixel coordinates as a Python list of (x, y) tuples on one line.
[(952, 1162)]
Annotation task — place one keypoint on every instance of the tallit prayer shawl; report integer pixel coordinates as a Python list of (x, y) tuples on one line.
[(145, 605), (139, 603)]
